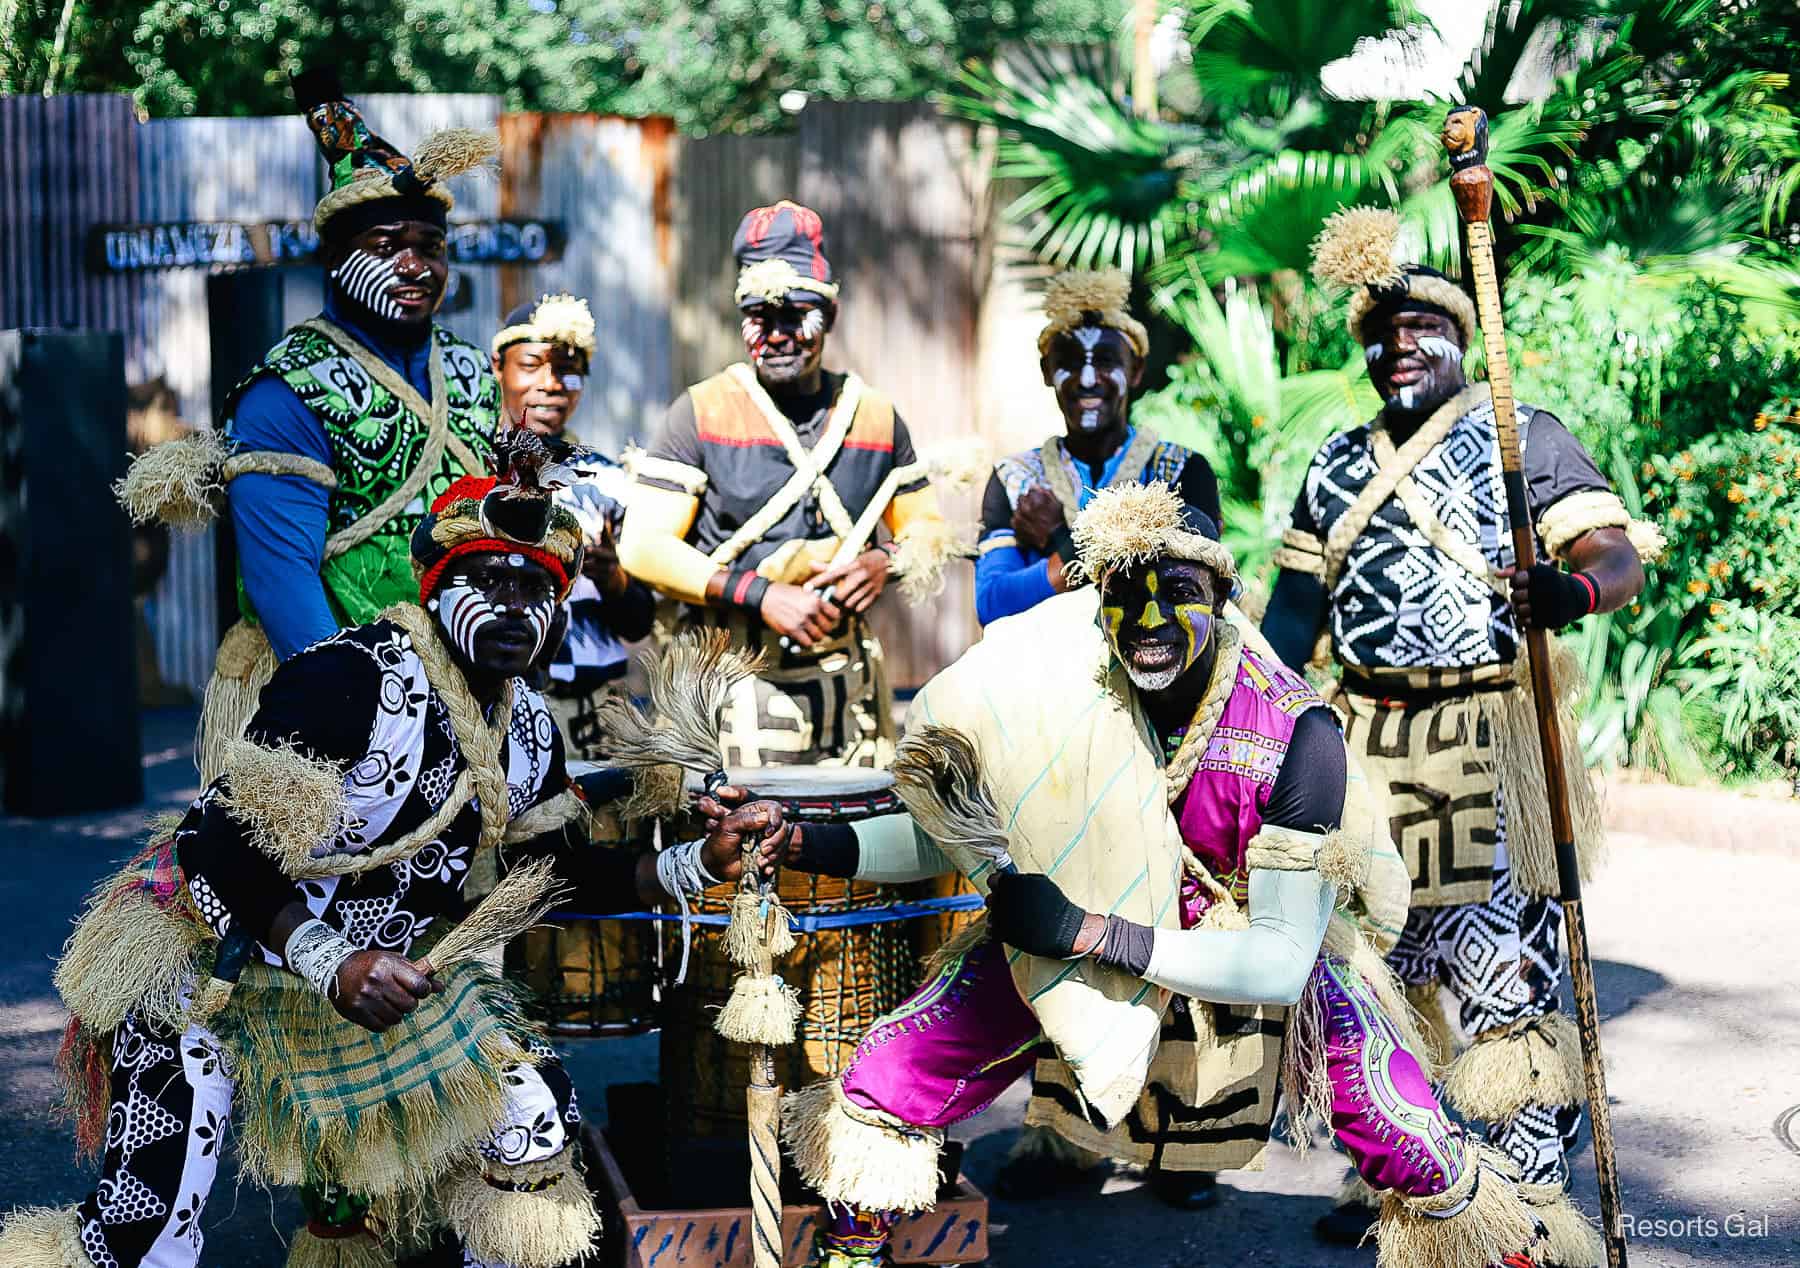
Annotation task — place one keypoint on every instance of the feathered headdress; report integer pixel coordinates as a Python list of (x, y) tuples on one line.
[(1356, 248), (368, 170), (563, 320), (511, 512), (1091, 297), (1131, 524)]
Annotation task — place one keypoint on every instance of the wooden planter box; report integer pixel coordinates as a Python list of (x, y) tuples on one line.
[(954, 1232)]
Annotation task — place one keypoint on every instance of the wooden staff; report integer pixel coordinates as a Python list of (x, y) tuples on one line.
[(762, 1094), (1466, 139)]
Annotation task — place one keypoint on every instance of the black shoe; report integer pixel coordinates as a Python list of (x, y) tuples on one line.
[(1037, 1176), (1185, 1190), (1345, 1224)]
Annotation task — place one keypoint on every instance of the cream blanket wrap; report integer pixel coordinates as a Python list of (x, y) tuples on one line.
[(1077, 775)]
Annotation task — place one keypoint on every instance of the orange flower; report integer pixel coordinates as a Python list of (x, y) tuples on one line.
[(1737, 493), (1715, 609), (1697, 587)]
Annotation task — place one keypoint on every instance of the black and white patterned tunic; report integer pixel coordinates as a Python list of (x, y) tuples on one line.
[(1402, 603)]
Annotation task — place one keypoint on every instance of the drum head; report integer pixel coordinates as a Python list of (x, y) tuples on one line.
[(809, 783)]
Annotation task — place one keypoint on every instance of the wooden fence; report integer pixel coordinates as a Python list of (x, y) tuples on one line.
[(649, 218)]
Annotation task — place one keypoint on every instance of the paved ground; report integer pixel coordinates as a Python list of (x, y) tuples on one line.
[(1699, 974)]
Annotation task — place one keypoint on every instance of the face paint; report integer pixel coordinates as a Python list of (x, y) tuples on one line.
[(1194, 620), (1439, 348), (1089, 338), (1058, 379), (1372, 353), (812, 325), (365, 279), (572, 382), (463, 610), (1406, 397)]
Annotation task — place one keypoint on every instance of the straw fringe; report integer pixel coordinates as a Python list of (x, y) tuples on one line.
[(743, 942), (1572, 1240), (1070, 296), (241, 670), (1434, 1027), (1512, 721), (857, 1156), (1129, 524), (1356, 248), (1495, 1222), (689, 687), (657, 792), (957, 464), (177, 482), (127, 954), (1533, 1062), (761, 1010), (1343, 859), (548, 816), (290, 802), (920, 554), (521, 899), (43, 1237), (952, 952), (357, 1250), (545, 1228)]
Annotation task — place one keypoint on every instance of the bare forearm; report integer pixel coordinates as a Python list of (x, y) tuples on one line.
[(1607, 556)]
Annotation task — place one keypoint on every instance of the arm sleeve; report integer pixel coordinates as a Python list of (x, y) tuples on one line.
[(1308, 795), (663, 502), (1200, 488), (915, 500), (1007, 580), (279, 521), (1556, 464), (1299, 604), (321, 701), (891, 850)]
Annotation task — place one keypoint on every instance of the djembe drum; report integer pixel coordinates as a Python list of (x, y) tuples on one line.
[(598, 976), (855, 961)]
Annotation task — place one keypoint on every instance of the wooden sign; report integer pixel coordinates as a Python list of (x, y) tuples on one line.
[(213, 244)]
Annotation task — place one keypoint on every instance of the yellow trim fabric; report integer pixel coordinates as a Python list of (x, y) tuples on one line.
[(691, 479)]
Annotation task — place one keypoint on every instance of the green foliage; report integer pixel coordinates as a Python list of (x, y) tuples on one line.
[(719, 66)]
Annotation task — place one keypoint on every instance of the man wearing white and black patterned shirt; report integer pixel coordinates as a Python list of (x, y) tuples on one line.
[(1400, 550)]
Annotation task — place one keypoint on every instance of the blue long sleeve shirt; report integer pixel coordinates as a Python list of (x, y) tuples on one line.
[(280, 520)]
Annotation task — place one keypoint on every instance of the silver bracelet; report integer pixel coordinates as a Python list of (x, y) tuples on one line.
[(315, 952)]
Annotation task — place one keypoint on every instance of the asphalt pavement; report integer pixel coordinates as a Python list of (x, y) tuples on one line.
[(1698, 952)]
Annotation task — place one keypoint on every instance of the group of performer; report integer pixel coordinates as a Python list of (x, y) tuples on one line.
[(1234, 891)]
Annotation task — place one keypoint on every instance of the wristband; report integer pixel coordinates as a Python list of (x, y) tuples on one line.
[(744, 588), (315, 952), (1591, 586), (1126, 946), (829, 849)]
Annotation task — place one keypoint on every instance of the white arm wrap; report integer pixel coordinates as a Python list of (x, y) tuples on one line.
[(315, 952), (891, 849), (680, 873), (1269, 962)]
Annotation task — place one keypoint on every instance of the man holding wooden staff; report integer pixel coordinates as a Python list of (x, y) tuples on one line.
[(1399, 551)]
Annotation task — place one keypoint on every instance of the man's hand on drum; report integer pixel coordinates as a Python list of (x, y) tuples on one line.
[(729, 819)]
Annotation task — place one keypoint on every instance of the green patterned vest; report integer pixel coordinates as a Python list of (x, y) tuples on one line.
[(380, 431)]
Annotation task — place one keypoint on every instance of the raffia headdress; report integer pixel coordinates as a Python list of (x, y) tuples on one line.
[(1091, 297), (562, 319), (1131, 524), (1356, 248)]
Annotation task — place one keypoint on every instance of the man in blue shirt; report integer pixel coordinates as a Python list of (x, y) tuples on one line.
[(1092, 354)]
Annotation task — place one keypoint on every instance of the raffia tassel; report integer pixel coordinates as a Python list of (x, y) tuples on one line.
[(177, 482), (521, 899), (1495, 1223), (241, 670), (290, 802), (544, 1228), (1518, 758), (690, 684), (1343, 859), (360, 1249), (761, 1010), (937, 773), (657, 792), (1356, 248), (43, 1237), (1647, 539), (453, 151), (857, 1156), (957, 464), (743, 941), (1533, 1062), (1572, 1241), (920, 554)]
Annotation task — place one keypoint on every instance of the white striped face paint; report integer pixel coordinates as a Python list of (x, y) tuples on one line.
[(1372, 353), (813, 324), (1439, 349), (464, 610), (366, 279), (1089, 338)]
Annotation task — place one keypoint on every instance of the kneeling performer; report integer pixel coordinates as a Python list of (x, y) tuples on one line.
[(275, 958), (1190, 835)]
